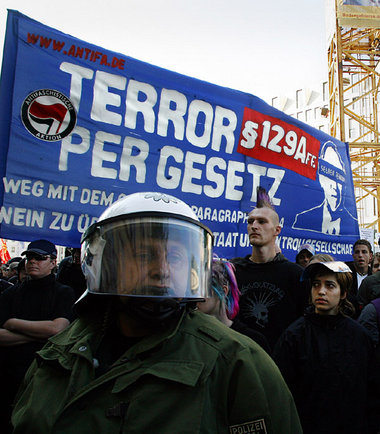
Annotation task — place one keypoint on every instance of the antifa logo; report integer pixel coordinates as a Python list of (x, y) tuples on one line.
[(48, 115)]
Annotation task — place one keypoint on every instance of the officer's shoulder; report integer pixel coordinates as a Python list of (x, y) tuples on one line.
[(214, 333), (75, 331)]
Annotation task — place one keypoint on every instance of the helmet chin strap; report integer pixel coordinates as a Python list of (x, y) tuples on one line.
[(157, 312)]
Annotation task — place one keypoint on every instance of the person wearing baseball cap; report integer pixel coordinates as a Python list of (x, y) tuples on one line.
[(41, 247), (30, 312), (305, 252)]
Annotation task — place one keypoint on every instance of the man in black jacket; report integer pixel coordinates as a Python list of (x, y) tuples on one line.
[(30, 312), (272, 296), (360, 266)]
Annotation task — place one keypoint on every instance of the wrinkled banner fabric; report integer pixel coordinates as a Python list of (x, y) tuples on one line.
[(81, 126)]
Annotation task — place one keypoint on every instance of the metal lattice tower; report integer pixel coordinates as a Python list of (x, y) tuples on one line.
[(354, 80)]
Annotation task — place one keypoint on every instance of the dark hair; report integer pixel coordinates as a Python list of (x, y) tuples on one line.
[(21, 265), (344, 280), (364, 243)]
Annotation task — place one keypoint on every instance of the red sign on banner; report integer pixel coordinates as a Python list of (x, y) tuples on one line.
[(274, 141)]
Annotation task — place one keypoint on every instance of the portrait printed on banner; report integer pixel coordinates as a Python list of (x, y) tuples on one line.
[(361, 2), (331, 215)]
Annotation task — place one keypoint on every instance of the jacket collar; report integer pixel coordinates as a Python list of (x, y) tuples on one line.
[(80, 337)]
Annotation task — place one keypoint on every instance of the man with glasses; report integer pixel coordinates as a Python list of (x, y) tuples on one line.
[(30, 312)]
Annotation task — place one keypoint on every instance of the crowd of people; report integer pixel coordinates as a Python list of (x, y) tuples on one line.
[(166, 336)]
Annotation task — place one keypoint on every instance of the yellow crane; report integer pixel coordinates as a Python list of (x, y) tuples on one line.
[(354, 80)]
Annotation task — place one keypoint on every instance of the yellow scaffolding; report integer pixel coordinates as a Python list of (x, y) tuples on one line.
[(354, 78)]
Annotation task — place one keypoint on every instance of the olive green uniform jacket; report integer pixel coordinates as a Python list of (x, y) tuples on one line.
[(198, 377)]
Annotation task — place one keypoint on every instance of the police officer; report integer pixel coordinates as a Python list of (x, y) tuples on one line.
[(140, 357)]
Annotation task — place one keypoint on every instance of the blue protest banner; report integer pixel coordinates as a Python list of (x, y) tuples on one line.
[(81, 126)]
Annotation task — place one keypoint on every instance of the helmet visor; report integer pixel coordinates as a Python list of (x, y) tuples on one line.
[(148, 257)]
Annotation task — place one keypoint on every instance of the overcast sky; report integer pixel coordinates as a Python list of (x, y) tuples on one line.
[(263, 47)]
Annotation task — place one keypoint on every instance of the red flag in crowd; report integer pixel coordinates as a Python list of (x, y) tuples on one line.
[(4, 254)]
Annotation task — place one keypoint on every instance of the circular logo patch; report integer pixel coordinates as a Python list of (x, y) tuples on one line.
[(48, 114)]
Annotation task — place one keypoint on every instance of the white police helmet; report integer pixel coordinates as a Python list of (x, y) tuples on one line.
[(148, 245)]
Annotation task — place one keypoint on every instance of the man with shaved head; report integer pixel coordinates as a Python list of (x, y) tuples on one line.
[(272, 296)]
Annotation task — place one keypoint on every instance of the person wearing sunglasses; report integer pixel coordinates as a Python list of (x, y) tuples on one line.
[(30, 313)]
